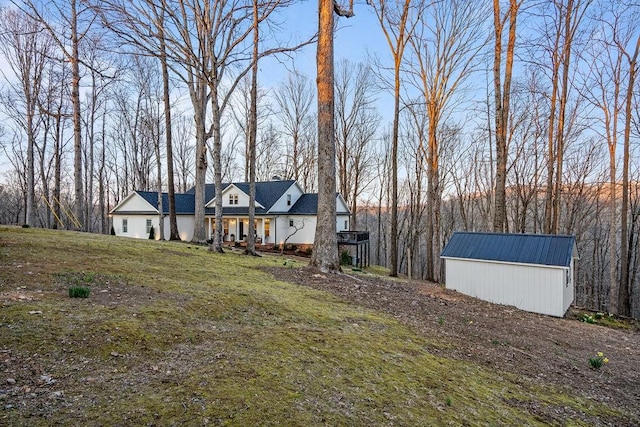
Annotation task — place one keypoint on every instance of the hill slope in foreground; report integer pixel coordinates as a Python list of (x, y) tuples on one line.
[(172, 334)]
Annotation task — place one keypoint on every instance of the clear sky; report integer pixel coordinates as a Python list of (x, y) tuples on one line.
[(355, 38)]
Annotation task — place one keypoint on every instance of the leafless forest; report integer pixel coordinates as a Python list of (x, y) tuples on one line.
[(502, 115)]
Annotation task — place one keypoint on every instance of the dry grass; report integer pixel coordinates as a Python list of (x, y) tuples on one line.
[(172, 334)]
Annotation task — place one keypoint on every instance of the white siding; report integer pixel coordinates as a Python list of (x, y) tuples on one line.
[(532, 288), (341, 205), (136, 225), (135, 203), (282, 229), (185, 227), (342, 223), (281, 205), (243, 198)]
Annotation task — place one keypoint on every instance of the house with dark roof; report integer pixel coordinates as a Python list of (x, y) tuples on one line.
[(533, 272), (283, 212)]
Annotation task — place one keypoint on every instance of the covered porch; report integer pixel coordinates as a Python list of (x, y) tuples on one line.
[(235, 229)]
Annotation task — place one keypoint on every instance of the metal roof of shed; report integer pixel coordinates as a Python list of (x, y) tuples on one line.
[(540, 249)]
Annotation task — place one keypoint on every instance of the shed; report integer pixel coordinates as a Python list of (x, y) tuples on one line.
[(533, 272)]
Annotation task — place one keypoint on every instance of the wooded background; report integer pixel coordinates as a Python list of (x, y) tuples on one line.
[(505, 116)]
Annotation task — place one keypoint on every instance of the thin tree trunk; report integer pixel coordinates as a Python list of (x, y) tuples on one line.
[(77, 129), (173, 221), (624, 296), (253, 134)]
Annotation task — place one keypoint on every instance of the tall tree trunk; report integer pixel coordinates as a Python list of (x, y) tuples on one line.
[(166, 96), (624, 295), (253, 134), (502, 98), (77, 129), (325, 250), (216, 245)]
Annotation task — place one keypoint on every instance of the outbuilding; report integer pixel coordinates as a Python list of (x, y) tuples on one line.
[(533, 272)]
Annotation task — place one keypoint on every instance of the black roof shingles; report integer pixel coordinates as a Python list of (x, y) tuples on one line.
[(540, 249), (267, 194), (185, 203)]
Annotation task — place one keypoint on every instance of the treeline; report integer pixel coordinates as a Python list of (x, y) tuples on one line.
[(505, 116)]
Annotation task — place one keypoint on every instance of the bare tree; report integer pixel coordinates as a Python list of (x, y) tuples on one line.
[(395, 19), (325, 248), (502, 93), (253, 133), (557, 39), (604, 90), (26, 49), (356, 125), (294, 99), (445, 44), (64, 22), (625, 294)]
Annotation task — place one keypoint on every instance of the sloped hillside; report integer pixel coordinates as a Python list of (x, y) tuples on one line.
[(172, 334)]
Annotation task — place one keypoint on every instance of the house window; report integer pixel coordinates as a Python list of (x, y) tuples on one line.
[(290, 223), (233, 199), (149, 226), (267, 227), (288, 199), (125, 225), (346, 224), (225, 229)]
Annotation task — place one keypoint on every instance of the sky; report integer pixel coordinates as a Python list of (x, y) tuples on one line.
[(355, 39)]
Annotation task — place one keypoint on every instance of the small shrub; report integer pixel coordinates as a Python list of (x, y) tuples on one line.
[(587, 318), (308, 251), (79, 292), (152, 233), (598, 361), (345, 258), (293, 247), (26, 226), (113, 231)]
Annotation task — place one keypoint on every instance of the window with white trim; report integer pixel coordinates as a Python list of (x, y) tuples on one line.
[(125, 225), (149, 225), (290, 223), (288, 199), (233, 199)]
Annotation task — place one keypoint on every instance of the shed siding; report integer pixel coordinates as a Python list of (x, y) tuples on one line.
[(528, 287)]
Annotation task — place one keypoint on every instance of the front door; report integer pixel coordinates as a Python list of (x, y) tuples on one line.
[(241, 230)]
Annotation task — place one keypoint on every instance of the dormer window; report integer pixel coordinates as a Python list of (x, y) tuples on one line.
[(233, 199), (288, 199)]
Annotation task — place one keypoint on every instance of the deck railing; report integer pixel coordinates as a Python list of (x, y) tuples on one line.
[(352, 236)]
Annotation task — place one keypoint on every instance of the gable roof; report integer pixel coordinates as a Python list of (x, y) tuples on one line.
[(267, 192), (540, 249), (185, 203), (307, 204)]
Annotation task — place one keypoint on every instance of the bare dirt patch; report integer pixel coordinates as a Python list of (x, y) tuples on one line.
[(537, 349)]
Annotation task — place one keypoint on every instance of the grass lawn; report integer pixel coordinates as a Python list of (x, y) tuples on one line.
[(172, 334)]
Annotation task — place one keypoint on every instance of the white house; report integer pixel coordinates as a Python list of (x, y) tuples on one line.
[(533, 272), (283, 212)]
